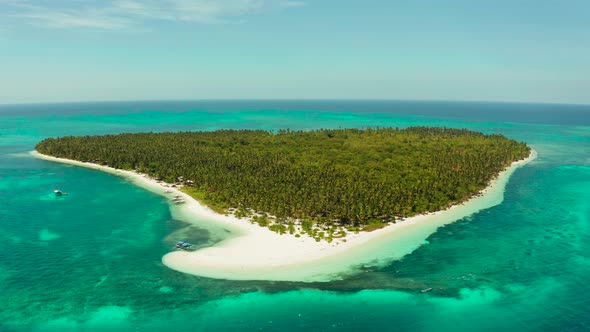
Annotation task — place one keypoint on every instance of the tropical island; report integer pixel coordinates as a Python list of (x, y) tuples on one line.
[(321, 180), (349, 197)]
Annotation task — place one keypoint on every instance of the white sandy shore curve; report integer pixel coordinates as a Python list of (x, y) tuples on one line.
[(251, 252)]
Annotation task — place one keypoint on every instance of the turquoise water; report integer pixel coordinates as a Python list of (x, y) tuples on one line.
[(90, 260)]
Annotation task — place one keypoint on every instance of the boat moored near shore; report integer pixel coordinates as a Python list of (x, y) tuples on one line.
[(59, 193), (178, 200), (184, 245)]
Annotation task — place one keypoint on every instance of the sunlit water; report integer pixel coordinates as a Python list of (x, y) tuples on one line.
[(91, 260)]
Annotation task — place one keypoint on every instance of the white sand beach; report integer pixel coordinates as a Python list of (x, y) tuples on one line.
[(251, 252)]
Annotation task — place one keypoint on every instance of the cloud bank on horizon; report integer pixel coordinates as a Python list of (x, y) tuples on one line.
[(120, 14)]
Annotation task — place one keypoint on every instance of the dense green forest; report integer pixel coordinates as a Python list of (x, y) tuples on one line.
[(350, 176)]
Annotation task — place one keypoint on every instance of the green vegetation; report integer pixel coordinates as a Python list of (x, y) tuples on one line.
[(361, 179), (202, 197), (261, 220), (372, 225), (278, 228)]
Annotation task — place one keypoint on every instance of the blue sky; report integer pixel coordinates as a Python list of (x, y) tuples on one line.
[(86, 50)]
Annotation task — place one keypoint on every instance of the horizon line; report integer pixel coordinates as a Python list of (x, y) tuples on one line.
[(290, 100)]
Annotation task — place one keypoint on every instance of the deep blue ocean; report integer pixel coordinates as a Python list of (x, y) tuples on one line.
[(91, 260)]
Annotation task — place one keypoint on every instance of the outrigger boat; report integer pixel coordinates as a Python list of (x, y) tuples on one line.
[(184, 245)]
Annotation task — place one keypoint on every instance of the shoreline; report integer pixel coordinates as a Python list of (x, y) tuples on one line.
[(247, 251)]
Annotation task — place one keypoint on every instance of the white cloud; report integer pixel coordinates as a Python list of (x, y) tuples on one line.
[(118, 14)]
